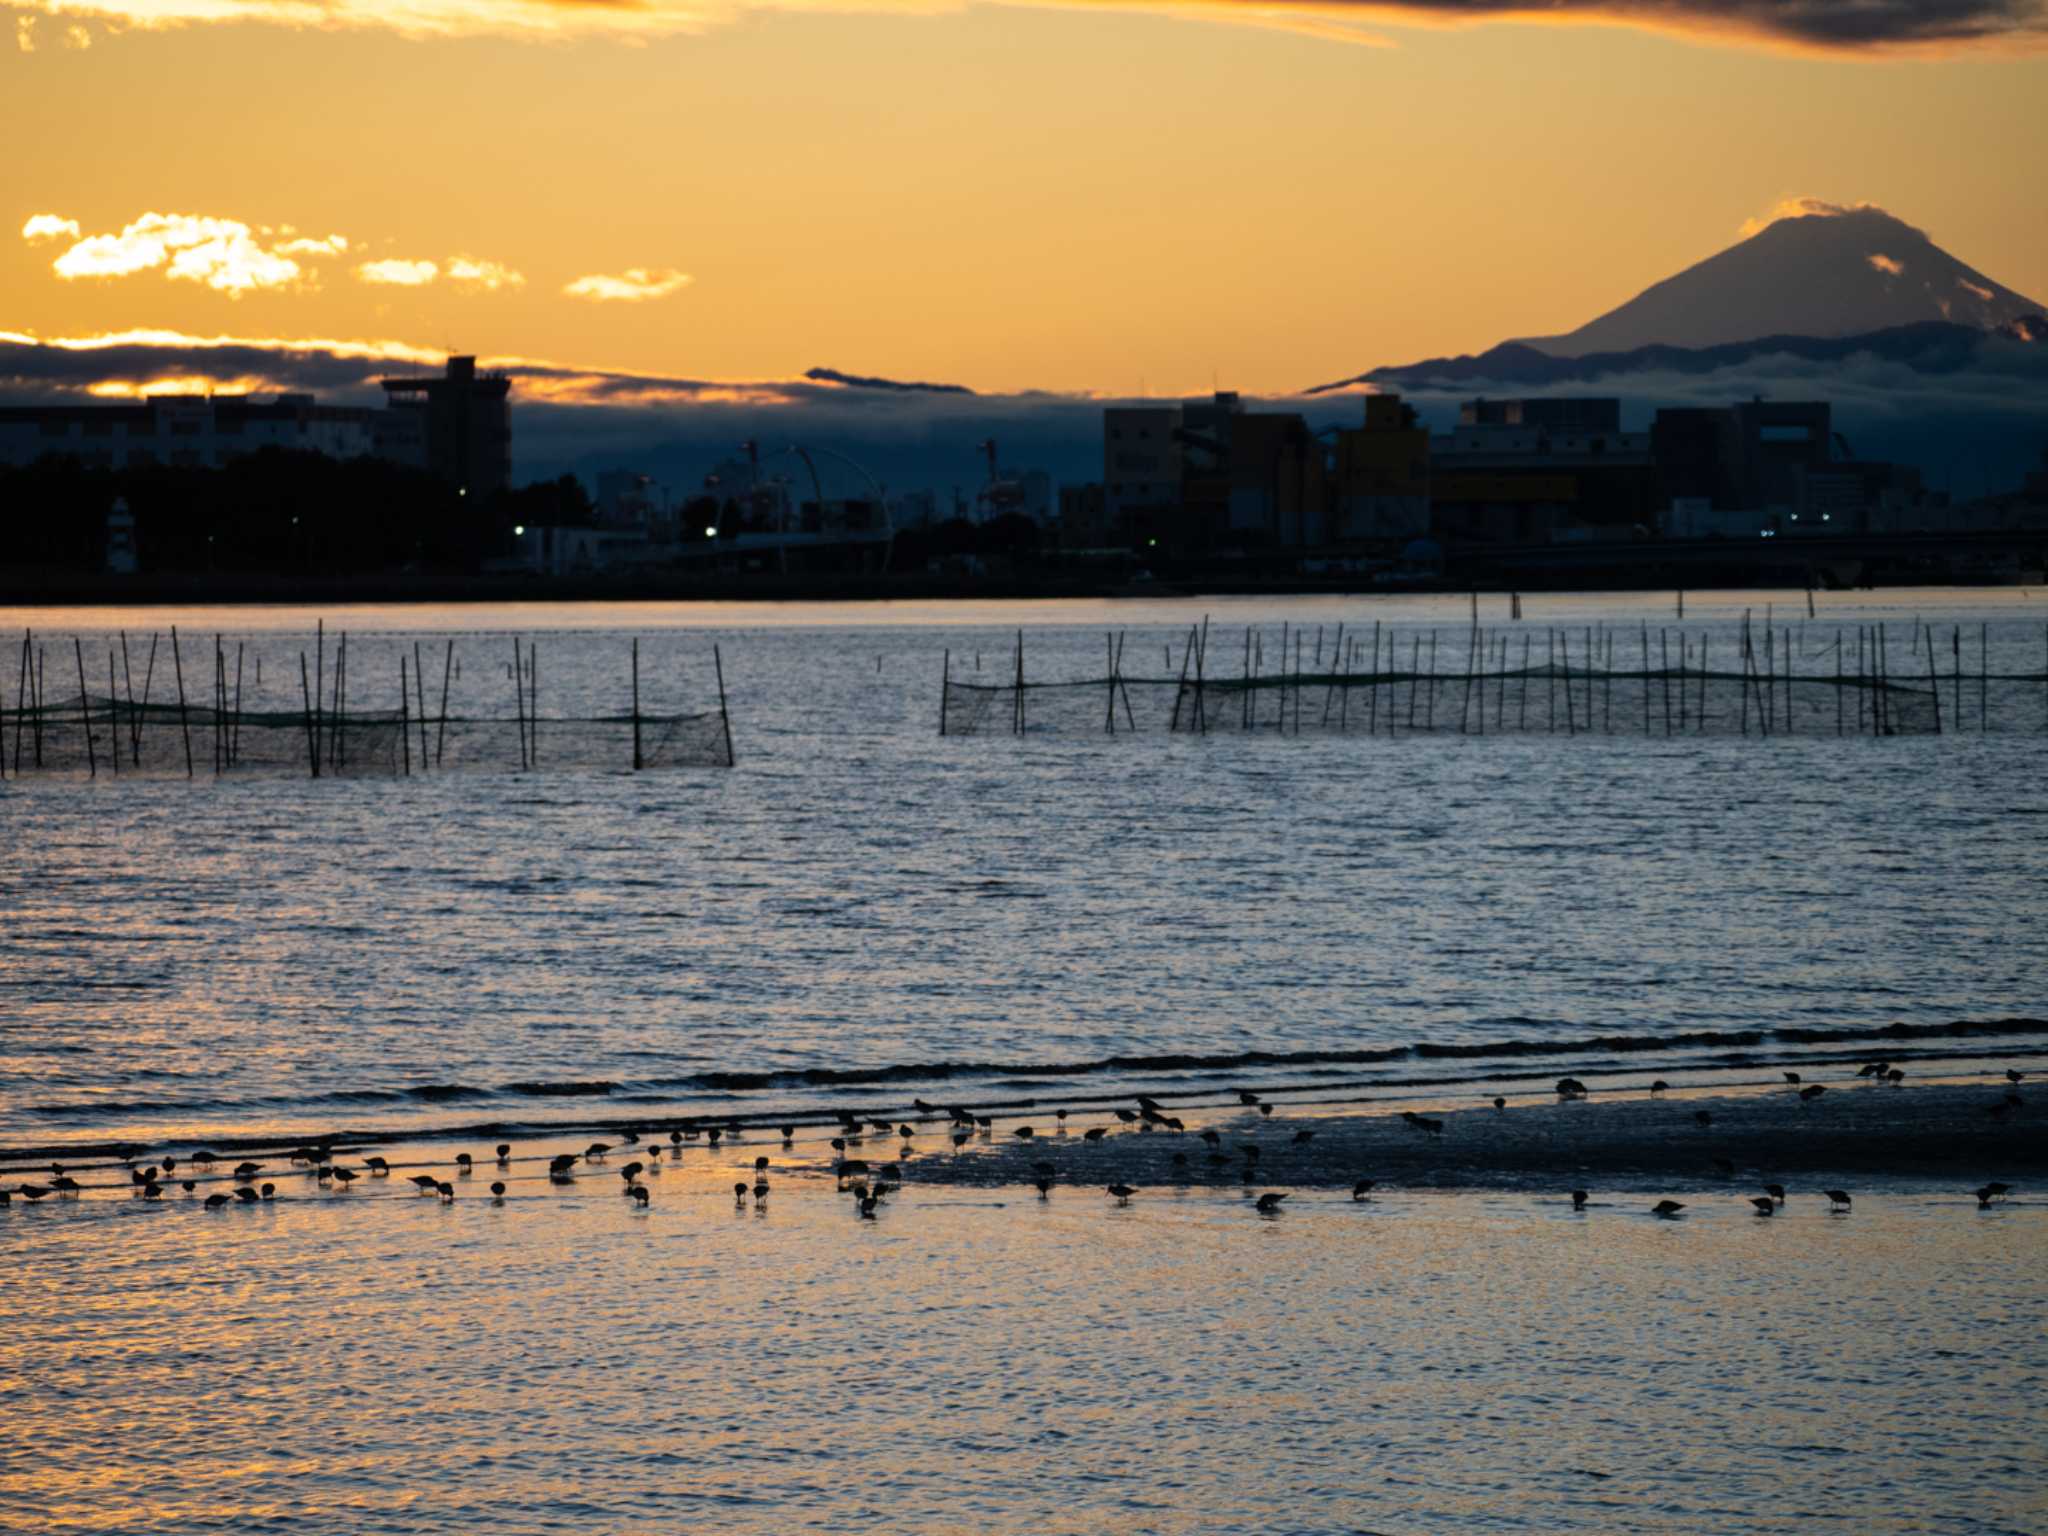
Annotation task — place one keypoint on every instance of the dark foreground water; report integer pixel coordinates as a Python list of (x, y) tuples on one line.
[(860, 913)]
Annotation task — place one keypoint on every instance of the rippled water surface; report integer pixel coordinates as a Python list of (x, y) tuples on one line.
[(861, 896), (973, 1361), (859, 913)]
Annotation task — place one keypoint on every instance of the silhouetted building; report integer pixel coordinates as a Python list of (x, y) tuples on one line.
[(1751, 455), (183, 431), (1141, 460), (1566, 414), (1541, 470), (465, 424), (1379, 485)]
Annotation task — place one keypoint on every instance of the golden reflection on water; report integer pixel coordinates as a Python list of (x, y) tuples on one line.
[(981, 1358)]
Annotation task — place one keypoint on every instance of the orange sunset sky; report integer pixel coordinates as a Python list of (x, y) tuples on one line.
[(1071, 197)]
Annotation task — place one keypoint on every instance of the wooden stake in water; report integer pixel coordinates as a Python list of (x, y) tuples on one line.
[(184, 721), (312, 731), (84, 710), (637, 761), (419, 699), (441, 730), (724, 715), (519, 700), (404, 716), (945, 688)]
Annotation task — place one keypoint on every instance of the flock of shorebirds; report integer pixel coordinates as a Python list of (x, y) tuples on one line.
[(867, 1182)]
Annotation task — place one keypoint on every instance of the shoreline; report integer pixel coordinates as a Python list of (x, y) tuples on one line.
[(1968, 1130)]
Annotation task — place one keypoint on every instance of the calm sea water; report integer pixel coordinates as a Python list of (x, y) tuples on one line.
[(860, 912), (860, 897)]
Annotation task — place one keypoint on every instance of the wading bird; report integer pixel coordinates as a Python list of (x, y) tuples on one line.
[(1361, 1189), (1123, 1193), (1268, 1203), (1667, 1208), (1579, 1199), (1838, 1199), (1776, 1192), (497, 1189), (1812, 1091), (1765, 1205)]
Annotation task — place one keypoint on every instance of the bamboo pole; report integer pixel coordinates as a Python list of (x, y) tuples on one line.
[(1186, 652), (945, 687), (184, 721), (419, 699), (113, 715), (21, 703), (519, 700), (148, 677), (235, 737), (533, 701), (724, 715), (312, 730), (85, 710), (441, 730), (1522, 719), (1121, 687), (319, 691), (1983, 680), (1934, 688), (404, 717), (1372, 719)]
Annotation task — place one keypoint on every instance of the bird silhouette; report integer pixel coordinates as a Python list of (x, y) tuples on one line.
[(464, 1161), (1812, 1091), (1246, 1096), (1023, 1133), (1499, 1102), (1776, 1192), (1579, 1199), (2014, 1077), (1044, 1187), (246, 1195), (504, 1151), (1667, 1208), (1269, 1202), (426, 1183), (788, 1133), (1094, 1133), (1659, 1086), (1128, 1116), (445, 1190), (1361, 1189), (1765, 1205), (215, 1202), (376, 1165), (1123, 1193), (594, 1153), (1838, 1199), (1792, 1078), (497, 1189)]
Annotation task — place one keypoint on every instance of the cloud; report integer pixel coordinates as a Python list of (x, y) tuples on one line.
[(1805, 208), (1982, 410), (224, 254), (50, 226), (333, 245), (398, 272), (468, 272), (630, 286), (25, 33), (1828, 26), (1891, 267)]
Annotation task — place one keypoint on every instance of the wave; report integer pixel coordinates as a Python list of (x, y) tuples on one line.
[(1728, 1045)]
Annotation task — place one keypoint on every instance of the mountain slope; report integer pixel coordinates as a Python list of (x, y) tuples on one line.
[(1832, 273), (1930, 348)]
